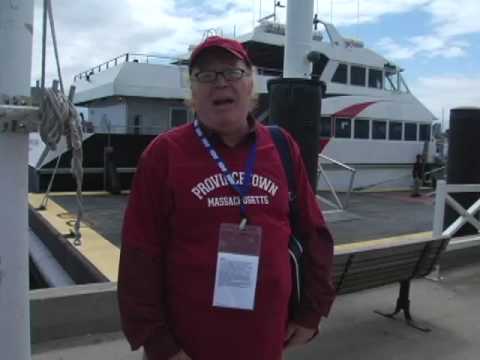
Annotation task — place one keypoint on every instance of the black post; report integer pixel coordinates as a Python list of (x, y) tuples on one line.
[(463, 164), (295, 105), (111, 182)]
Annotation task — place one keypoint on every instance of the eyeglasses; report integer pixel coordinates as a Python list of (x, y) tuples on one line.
[(229, 75)]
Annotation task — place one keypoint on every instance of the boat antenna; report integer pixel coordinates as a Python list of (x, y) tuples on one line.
[(443, 119), (358, 17), (331, 11), (315, 22), (275, 5), (315, 18)]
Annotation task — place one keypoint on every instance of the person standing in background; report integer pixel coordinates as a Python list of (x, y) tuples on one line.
[(417, 174)]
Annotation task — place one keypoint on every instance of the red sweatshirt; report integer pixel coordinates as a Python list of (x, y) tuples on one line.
[(170, 243)]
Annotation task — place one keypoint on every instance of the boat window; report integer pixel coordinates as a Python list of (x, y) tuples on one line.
[(343, 128), (340, 75), (410, 132), (362, 129), (358, 75), (325, 127), (379, 130), (375, 78), (424, 132), (178, 117), (395, 130)]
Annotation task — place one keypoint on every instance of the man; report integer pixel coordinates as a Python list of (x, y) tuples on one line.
[(204, 271), (417, 174)]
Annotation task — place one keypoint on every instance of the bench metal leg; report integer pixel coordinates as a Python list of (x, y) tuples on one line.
[(403, 303)]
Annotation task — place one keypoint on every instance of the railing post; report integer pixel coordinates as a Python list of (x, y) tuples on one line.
[(439, 213), (350, 188), (16, 20)]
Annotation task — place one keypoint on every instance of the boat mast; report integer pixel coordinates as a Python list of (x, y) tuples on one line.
[(295, 99), (16, 30), (298, 40)]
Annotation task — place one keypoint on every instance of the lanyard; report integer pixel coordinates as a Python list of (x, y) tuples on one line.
[(241, 189)]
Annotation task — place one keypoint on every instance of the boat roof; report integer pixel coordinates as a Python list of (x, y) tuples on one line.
[(267, 41), (163, 77), (130, 77)]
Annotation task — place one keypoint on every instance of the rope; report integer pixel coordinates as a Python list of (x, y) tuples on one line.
[(60, 117), (54, 116), (54, 39), (74, 137)]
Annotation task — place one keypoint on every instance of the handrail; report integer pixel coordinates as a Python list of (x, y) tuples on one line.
[(123, 58), (103, 128), (321, 172), (337, 162), (435, 170), (442, 198)]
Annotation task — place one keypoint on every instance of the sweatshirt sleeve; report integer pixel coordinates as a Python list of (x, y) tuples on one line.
[(141, 293), (318, 292)]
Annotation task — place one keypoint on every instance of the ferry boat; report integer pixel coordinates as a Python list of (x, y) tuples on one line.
[(370, 120)]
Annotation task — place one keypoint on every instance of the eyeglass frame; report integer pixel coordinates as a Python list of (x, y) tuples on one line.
[(243, 72)]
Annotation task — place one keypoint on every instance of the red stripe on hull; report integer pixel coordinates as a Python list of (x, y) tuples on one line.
[(353, 110)]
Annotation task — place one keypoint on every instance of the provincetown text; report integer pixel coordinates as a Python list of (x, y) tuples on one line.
[(218, 180)]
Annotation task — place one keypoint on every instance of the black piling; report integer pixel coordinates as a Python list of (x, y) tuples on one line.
[(111, 180), (295, 105), (463, 165)]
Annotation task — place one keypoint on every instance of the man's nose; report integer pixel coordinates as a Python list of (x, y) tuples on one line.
[(220, 80)]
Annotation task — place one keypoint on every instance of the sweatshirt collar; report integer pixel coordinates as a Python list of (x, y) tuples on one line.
[(214, 138)]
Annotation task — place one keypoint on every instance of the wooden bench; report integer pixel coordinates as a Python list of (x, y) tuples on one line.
[(376, 263)]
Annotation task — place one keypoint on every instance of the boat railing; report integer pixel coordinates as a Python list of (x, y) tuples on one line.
[(125, 58), (321, 173), (265, 71), (437, 173), (108, 128), (443, 198), (275, 72), (157, 60)]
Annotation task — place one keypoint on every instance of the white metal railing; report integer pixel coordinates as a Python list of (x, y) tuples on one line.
[(321, 172), (443, 198), (125, 58)]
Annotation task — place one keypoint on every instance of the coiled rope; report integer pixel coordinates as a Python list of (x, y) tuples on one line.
[(60, 117)]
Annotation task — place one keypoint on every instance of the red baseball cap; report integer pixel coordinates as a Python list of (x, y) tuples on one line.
[(232, 46)]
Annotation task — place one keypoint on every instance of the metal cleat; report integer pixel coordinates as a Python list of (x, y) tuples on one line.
[(19, 118)]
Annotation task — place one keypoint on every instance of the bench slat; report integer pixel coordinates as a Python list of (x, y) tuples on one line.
[(377, 266)]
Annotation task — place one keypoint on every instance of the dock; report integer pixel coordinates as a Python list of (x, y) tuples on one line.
[(352, 329)]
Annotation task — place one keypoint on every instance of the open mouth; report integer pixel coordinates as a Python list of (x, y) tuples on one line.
[(223, 101)]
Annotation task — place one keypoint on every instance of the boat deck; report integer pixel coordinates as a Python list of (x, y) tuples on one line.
[(369, 215), (389, 216), (352, 331)]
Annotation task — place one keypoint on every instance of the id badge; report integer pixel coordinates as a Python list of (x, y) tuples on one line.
[(237, 266)]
